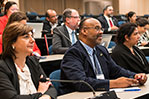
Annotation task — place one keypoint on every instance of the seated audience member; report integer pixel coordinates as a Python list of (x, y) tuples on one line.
[(131, 17), (142, 28), (22, 18), (126, 54), (20, 73), (10, 8), (50, 22), (88, 61), (64, 36), (108, 22)]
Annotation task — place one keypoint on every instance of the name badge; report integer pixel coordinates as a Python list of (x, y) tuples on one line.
[(100, 76)]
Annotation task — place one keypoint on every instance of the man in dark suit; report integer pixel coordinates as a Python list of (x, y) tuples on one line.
[(50, 22), (64, 36), (88, 61), (108, 22)]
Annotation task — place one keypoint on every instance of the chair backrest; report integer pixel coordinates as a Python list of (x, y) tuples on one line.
[(55, 75)]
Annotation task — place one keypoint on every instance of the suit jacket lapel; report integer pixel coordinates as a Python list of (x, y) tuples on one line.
[(106, 23), (12, 68), (101, 59), (66, 33), (87, 56)]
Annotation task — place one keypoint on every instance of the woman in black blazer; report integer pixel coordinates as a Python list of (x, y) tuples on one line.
[(126, 54), (19, 72)]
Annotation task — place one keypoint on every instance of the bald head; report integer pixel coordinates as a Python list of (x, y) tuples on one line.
[(51, 16), (88, 22), (90, 32)]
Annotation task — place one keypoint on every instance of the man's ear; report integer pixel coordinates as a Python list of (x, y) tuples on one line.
[(84, 31), (67, 20), (47, 18)]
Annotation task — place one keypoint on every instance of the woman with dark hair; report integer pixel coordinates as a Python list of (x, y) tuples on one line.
[(143, 30), (22, 18), (10, 8), (20, 73), (131, 17), (126, 54)]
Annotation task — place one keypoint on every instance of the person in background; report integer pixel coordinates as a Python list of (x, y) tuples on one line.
[(50, 22), (10, 8), (126, 54), (1, 6), (131, 17), (108, 22), (88, 61), (64, 36), (22, 18), (20, 73), (142, 28)]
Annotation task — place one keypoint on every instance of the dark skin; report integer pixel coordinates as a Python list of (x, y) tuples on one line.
[(92, 36)]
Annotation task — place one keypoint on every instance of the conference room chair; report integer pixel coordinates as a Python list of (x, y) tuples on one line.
[(112, 44), (147, 57), (56, 76), (50, 50)]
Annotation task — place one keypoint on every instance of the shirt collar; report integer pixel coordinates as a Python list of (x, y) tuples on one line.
[(69, 30), (107, 18), (88, 48)]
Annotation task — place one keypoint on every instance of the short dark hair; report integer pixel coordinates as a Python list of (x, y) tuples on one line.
[(10, 35), (125, 29), (17, 16), (47, 15), (8, 5), (106, 7), (67, 13), (141, 22), (130, 14)]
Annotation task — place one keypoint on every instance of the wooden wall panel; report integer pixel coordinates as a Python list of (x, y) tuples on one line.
[(75, 4), (57, 5), (40, 6)]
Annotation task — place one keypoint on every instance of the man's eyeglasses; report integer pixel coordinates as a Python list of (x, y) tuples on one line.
[(54, 16), (97, 28)]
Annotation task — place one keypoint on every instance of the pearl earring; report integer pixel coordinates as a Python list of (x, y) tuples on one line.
[(13, 47)]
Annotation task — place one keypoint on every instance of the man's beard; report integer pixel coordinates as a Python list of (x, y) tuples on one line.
[(110, 15)]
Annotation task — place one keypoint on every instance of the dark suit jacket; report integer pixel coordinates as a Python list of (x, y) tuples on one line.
[(76, 65), (47, 27), (9, 83), (61, 40), (105, 25), (123, 57)]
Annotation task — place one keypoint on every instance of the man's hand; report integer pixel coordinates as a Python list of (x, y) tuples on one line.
[(123, 82), (141, 77)]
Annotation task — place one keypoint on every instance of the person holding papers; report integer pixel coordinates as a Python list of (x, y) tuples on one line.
[(126, 54), (88, 61)]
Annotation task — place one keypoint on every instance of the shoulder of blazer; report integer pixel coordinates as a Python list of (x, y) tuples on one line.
[(32, 59)]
